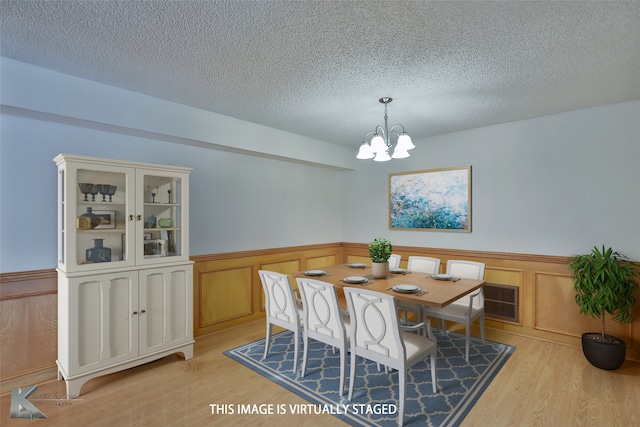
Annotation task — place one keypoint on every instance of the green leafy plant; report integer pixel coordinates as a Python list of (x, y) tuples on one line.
[(605, 282), (380, 250)]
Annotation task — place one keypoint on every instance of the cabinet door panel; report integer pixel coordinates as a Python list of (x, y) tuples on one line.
[(165, 295), (153, 326), (177, 322), (106, 328)]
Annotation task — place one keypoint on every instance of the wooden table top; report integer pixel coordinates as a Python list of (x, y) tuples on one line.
[(439, 292)]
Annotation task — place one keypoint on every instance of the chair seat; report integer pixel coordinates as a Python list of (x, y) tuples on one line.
[(454, 310), (415, 344)]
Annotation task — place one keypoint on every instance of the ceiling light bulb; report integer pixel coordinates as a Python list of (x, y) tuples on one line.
[(400, 153), (377, 144), (365, 152), (382, 156), (404, 142)]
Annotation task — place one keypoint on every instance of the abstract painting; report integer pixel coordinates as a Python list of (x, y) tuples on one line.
[(435, 199)]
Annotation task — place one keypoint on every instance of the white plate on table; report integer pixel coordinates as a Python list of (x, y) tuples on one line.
[(397, 271), (315, 273), (357, 265), (407, 289), (442, 276), (355, 279)]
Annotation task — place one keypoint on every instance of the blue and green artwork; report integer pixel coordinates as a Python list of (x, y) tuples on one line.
[(436, 199)]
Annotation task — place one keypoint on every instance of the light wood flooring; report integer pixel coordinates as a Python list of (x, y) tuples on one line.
[(542, 384)]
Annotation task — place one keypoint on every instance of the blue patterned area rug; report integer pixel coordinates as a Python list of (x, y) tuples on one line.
[(460, 384)]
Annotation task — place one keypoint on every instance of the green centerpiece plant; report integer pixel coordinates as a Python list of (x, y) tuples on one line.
[(605, 282), (380, 251)]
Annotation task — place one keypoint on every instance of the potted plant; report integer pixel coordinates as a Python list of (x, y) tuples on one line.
[(605, 282), (380, 251)]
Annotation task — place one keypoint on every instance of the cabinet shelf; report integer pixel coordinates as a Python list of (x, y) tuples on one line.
[(102, 230), (151, 230), (163, 205), (103, 205)]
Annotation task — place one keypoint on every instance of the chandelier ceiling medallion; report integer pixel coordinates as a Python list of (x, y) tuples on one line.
[(379, 145)]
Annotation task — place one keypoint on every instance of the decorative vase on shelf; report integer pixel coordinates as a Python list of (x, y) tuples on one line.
[(87, 220), (99, 253), (165, 222), (150, 222)]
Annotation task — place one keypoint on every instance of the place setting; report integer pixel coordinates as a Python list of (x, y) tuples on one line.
[(356, 280), (357, 265), (444, 277), (316, 273), (408, 289)]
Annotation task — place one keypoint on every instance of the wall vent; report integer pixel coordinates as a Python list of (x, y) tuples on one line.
[(501, 302)]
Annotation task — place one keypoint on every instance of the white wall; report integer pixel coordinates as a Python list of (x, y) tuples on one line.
[(238, 202), (554, 185)]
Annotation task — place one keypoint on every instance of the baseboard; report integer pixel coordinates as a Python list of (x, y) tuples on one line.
[(38, 377)]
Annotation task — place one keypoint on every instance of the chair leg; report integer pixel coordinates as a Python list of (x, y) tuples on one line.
[(434, 379), (402, 382), (343, 368), (296, 349), (482, 328), (352, 375), (467, 339), (305, 353), (267, 341)]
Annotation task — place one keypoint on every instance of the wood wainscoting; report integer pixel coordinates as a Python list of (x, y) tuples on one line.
[(28, 328), (227, 292), (227, 289)]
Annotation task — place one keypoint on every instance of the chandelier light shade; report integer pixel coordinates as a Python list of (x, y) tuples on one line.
[(378, 146)]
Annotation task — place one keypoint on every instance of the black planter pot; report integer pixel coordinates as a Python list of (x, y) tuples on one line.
[(609, 354)]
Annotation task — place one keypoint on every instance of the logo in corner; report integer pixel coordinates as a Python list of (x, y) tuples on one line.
[(21, 407)]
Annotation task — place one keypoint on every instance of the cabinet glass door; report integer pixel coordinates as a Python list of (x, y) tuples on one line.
[(163, 209), (101, 221)]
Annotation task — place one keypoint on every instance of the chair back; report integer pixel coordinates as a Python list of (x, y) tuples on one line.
[(468, 270), (375, 331), (394, 261), (279, 301), (422, 264), (322, 317)]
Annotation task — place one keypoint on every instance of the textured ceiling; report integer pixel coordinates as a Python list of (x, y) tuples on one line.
[(317, 68)]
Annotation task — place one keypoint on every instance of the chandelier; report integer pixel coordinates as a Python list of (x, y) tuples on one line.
[(379, 145)]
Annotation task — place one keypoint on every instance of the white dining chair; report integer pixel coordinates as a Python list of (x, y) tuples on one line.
[(281, 309), (423, 264), (376, 335), (418, 264), (323, 321), (394, 261), (466, 309)]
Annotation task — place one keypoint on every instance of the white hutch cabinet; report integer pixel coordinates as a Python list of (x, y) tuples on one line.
[(125, 294)]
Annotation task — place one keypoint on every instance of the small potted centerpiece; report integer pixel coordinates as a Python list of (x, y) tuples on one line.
[(380, 252), (605, 282)]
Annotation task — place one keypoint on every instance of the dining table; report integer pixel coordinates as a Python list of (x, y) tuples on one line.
[(411, 286)]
